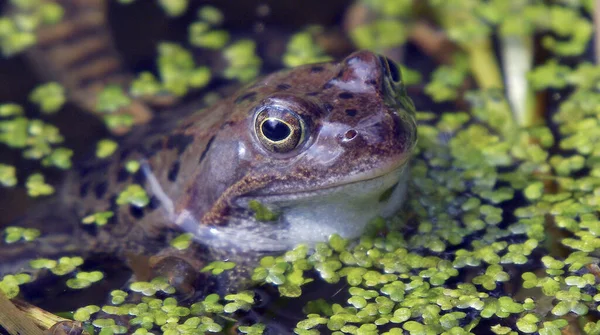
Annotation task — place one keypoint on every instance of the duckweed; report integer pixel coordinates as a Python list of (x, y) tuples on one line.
[(301, 49), (217, 267), (105, 148), (84, 279), (111, 99), (50, 97), (15, 234), (8, 175), (37, 186), (182, 241), (99, 218), (488, 209), (178, 71), (262, 212), (60, 267), (9, 285), (145, 84), (244, 64), (134, 195)]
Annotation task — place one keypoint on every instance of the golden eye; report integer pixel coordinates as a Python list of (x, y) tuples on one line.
[(279, 130)]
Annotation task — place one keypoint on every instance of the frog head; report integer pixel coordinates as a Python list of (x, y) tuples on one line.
[(305, 153)]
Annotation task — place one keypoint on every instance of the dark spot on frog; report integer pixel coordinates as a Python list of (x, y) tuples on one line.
[(122, 175), (206, 149), (283, 87), (327, 86), (114, 207), (316, 69), (312, 94), (346, 95), (173, 171), (225, 124), (124, 154), (100, 189), (156, 145), (84, 189), (250, 96), (351, 112), (139, 177), (136, 212), (84, 171), (154, 203), (179, 142)]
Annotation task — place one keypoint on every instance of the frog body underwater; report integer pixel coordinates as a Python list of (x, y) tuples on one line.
[(323, 147)]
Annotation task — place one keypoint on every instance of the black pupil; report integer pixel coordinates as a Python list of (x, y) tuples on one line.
[(275, 130)]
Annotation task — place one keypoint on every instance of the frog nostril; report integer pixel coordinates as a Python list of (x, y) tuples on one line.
[(350, 135)]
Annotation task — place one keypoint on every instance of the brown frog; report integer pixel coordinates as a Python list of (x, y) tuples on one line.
[(322, 148)]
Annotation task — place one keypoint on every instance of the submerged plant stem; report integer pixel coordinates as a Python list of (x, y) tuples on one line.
[(484, 65), (517, 59), (14, 321)]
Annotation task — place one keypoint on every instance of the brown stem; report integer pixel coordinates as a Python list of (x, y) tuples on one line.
[(14, 321)]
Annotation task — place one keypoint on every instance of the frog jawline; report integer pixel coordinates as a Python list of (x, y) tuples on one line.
[(387, 168), (308, 217)]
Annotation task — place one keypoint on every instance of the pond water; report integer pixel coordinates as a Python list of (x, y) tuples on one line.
[(499, 231)]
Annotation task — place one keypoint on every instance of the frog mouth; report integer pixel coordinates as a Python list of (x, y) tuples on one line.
[(381, 179), (365, 185)]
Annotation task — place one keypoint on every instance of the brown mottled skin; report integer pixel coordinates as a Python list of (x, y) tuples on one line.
[(351, 134), (353, 105)]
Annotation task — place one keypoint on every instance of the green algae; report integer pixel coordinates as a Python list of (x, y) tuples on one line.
[(84, 279), (448, 260), (99, 218), (262, 212), (302, 49), (218, 267), (178, 71), (50, 97), (37, 186), (182, 241), (133, 194), (15, 234), (10, 284), (204, 33), (106, 147), (244, 64)]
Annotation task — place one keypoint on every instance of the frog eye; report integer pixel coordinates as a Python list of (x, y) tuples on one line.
[(279, 130)]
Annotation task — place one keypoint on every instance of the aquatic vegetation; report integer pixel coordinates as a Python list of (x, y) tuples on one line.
[(500, 232)]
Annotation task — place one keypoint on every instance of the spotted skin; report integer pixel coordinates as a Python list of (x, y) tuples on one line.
[(200, 172)]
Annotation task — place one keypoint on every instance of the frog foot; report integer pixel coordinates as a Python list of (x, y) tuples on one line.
[(181, 271), (66, 328)]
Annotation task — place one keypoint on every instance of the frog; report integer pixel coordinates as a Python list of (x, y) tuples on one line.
[(322, 148)]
